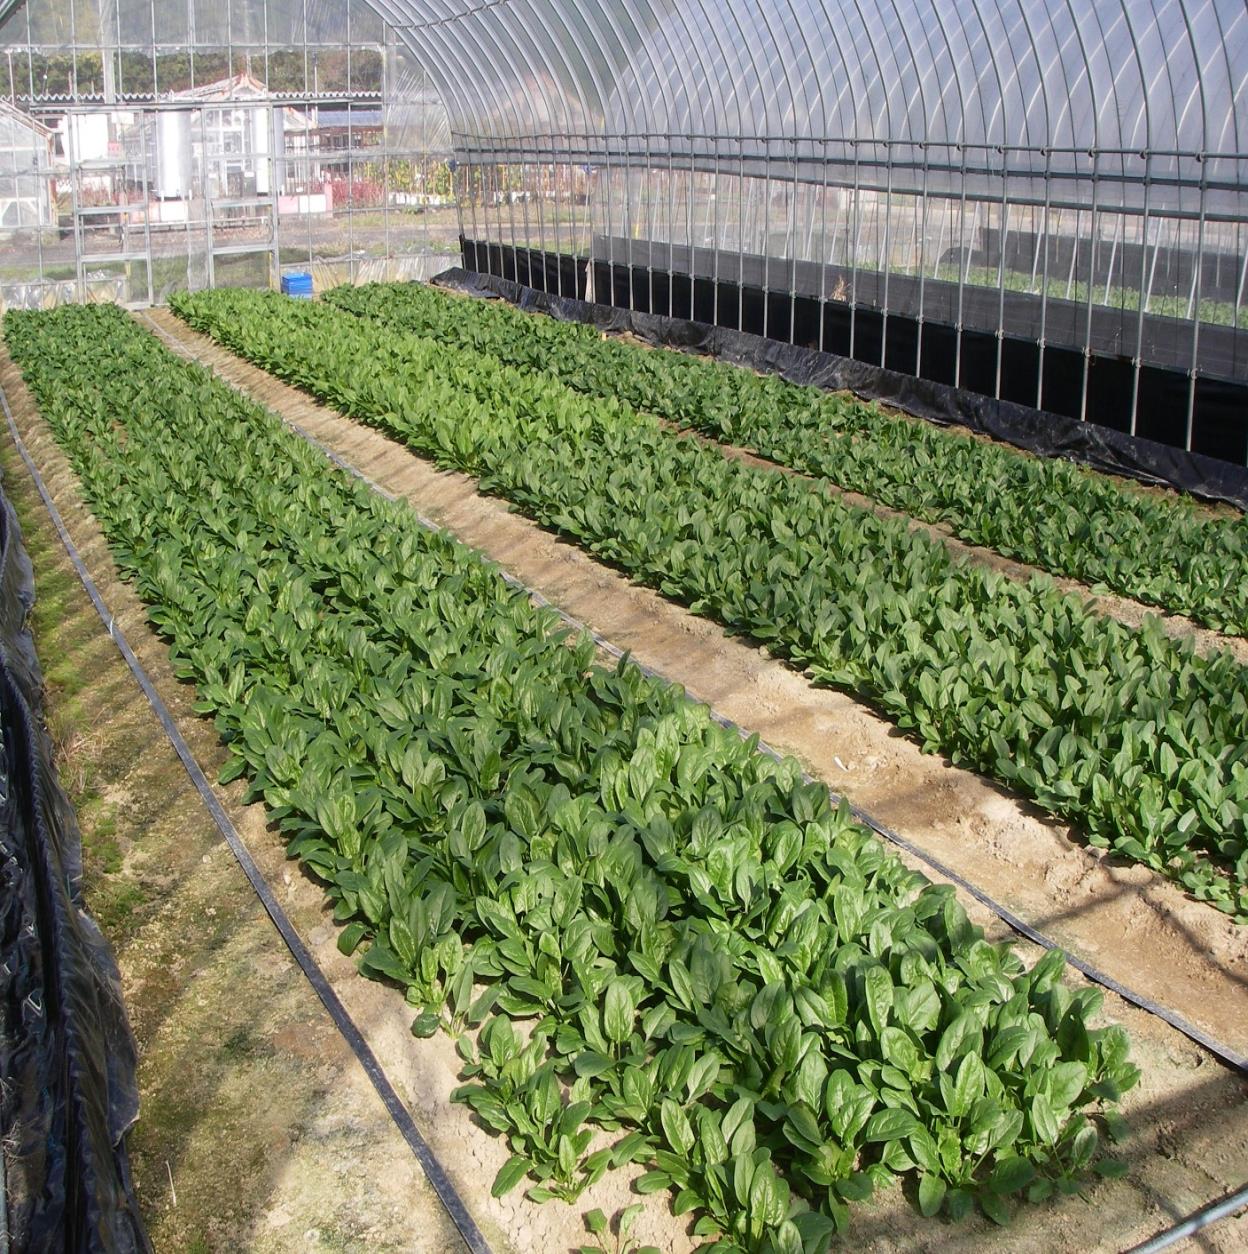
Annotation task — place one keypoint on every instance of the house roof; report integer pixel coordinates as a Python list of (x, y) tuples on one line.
[(242, 89), (236, 87), (326, 118)]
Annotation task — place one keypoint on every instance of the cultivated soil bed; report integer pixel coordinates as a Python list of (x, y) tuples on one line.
[(1189, 1115), (1145, 932)]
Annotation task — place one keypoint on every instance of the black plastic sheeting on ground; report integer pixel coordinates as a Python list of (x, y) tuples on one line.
[(1038, 431), (67, 1057)]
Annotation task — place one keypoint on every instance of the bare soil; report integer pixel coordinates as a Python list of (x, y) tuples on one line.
[(1189, 1115)]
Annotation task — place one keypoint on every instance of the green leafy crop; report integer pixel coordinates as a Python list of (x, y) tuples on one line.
[(680, 954), (1125, 732), (1046, 512)]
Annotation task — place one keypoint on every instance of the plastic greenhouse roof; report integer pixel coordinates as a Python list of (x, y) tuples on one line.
[(1107, 75)]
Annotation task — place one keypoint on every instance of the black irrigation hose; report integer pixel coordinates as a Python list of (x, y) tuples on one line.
[(1195, 1222), (398, 1112), (1225, 1053)]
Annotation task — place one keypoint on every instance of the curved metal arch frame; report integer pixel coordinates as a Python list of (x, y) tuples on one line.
[(527, 69), (1041, 111)]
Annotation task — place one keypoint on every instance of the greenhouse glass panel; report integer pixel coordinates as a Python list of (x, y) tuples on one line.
[(176, 143)]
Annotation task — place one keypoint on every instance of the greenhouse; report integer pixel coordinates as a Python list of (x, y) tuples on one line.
[(624, 625)]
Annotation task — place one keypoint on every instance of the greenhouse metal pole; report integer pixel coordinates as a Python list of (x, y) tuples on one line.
[(791, 245), (1093, 237), (469, 168), (649, 226), (493, 206), (823, 253), (741, 233), (147, 211), (554, 170), (1195, 310), (964, 260), (1087, 331), (327, 191), (629, 219), (765, 248), (1044, 238), (548, 195), (386, 89), (918, 348), (671, 229), (689, 194), (490, 208), (853, 259), (71, 145), (540, 172), (1004, 244), (206, 171), (609, 229), (352, 183), (886, 254), (547, 207), (1141, 300), (715, 241), (511, 193)]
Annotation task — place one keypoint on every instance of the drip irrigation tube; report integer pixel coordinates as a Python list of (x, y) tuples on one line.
[(1197, 1220), (1231, 1057), (433, 1169)]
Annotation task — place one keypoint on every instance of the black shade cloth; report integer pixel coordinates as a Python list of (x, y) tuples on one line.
[(67, 1057)]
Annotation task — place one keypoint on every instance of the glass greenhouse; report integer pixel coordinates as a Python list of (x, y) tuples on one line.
[(1042, 203)]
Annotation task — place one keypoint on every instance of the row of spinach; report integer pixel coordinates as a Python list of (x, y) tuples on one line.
[(1127, 733), (1051, 514), (679, 954)]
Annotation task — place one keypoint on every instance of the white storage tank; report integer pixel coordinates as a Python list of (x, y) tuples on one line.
[(173, 154)]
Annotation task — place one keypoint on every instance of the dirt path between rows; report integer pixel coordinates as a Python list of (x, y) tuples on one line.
[(1191, 1113)]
